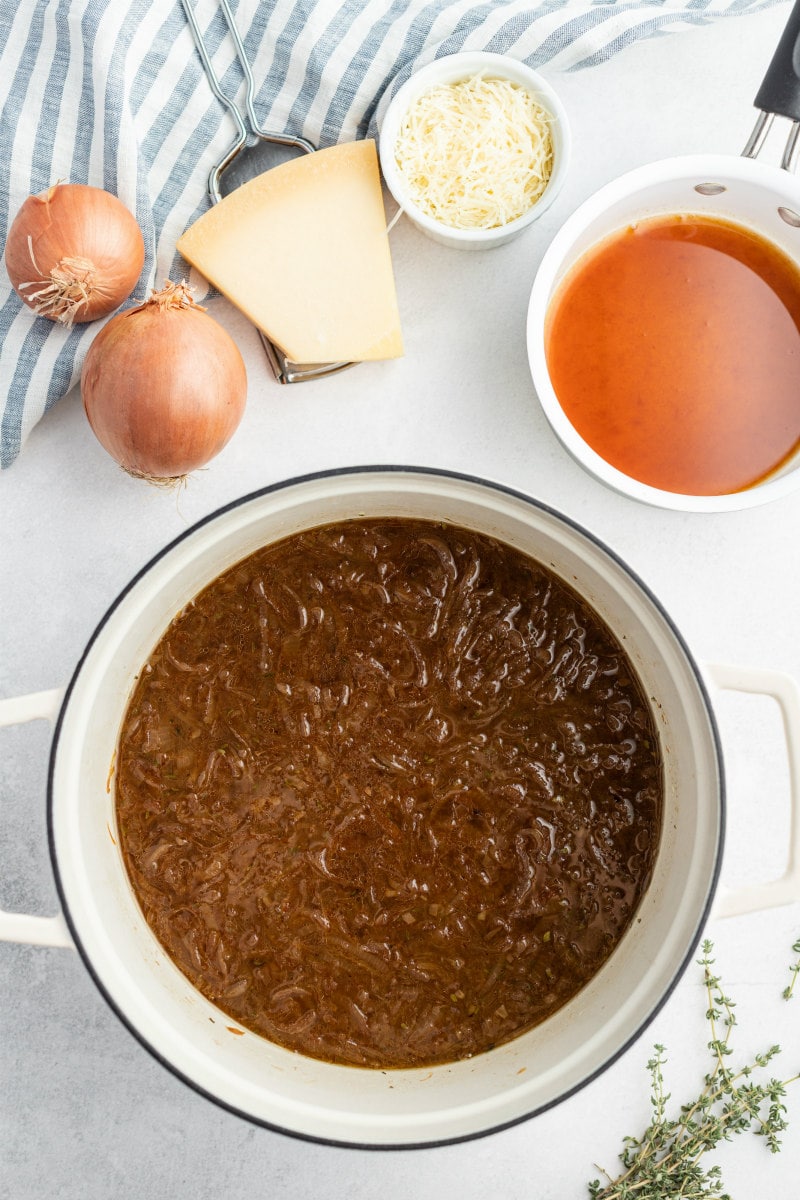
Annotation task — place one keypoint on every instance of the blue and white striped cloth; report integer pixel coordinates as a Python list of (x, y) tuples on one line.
[(112, 93)]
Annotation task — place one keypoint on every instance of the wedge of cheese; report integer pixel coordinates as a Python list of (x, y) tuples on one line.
[(302, 250)]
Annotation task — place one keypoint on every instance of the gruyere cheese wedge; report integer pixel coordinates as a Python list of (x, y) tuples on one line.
[(303, 251)]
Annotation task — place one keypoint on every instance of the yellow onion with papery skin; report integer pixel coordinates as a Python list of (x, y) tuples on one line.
[(74, 253), (164, 386)]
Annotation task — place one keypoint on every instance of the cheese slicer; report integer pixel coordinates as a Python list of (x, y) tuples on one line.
[(253, 151)]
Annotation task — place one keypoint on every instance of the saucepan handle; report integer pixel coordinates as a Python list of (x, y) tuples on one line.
[(785, 691), (20, 927), (780, 91)]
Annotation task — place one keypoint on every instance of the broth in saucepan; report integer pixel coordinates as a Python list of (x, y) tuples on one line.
[(388, 792), (674, 350)]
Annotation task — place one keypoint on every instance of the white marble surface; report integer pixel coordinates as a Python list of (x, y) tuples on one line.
[(85, 1112)]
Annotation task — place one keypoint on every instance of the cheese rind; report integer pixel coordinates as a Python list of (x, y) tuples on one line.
[(303, 251)]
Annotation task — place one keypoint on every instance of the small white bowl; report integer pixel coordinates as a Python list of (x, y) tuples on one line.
[(450, 69)]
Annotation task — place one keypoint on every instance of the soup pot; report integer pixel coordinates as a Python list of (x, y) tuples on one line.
[(760, 196), (346, 1105)]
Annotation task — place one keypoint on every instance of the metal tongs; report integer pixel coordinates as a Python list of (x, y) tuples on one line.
[(253, 151)]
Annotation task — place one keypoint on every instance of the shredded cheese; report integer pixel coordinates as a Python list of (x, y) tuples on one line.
[(476, 154)]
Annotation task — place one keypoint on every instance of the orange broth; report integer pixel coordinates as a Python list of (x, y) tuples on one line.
[(673, 347)]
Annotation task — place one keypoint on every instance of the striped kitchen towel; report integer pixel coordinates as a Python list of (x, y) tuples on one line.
[(112, 93)]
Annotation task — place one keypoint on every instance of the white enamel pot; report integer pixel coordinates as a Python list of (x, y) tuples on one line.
[(347, 1105), (757, 195)]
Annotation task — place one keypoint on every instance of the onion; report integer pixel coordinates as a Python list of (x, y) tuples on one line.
[(164, 386), (74, 253)]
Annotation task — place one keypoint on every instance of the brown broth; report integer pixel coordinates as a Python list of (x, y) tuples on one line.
[(674, 349), (388, 793)]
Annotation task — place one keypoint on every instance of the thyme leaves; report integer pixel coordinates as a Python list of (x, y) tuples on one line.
[(794, 971), (667, 1161)]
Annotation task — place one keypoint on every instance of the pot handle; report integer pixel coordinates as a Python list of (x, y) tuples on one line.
[(20, 927), (785, 690), (779, 94), (780, 90)]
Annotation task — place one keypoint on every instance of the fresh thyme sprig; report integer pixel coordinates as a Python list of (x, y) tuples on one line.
[(665, 1163), (794, 971)]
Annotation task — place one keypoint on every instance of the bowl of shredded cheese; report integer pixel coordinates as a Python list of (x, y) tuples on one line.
[(474, 147)]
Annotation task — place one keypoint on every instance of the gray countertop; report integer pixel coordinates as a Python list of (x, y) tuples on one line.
[(85, 1112)]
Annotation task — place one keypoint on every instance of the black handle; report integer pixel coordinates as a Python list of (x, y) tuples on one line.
[(780, 91)]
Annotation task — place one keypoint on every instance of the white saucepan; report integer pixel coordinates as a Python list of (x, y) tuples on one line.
[(347, 1105), (762, 197)]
